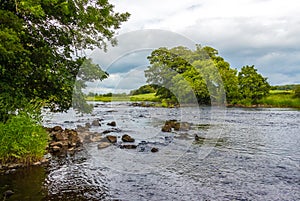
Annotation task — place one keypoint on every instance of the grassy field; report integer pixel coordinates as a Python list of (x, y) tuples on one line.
[(281, 98), (141, 97)]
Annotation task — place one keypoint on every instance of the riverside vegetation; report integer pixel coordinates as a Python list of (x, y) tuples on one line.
[(275, 98), (40, 60)]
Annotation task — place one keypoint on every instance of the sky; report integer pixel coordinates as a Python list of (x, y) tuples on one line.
[(264, 33)]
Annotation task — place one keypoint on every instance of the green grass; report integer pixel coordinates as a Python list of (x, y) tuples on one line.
[(22, 140), (145, 97), (108, 98), (281, 98), (281, 92), (141, 97)]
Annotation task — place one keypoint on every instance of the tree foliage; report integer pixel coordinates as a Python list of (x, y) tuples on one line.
[(145, 89), (252, 85), (297, 91), (185, 75), (40, 45)]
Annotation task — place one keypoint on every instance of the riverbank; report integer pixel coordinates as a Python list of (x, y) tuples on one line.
[(276, 98), (61, 142)]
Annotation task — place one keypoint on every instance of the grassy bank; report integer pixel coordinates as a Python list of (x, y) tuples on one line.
[(141, 97), (277, 98), (281, 98), (22, 140)]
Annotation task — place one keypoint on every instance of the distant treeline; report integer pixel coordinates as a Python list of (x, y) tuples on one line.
[(285, 87)]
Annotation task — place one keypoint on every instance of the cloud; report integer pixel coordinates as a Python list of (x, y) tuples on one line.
[(131, 54), (119, 82), (264, 33)]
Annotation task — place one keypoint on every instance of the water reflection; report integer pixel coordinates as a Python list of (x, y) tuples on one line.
[(27, 184)]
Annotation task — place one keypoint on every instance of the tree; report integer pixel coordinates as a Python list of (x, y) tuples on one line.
[(297, 91), (185, 73), (40, 44), (252, 85), (145, 89)]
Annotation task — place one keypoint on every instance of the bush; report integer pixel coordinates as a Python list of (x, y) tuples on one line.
[(22, 139)]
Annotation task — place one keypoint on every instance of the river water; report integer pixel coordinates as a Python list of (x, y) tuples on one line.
[(243, 154)]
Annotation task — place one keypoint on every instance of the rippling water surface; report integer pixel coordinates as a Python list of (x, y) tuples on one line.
[(244, 154)]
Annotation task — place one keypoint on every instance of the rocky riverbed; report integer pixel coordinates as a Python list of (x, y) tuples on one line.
[(166, 154)]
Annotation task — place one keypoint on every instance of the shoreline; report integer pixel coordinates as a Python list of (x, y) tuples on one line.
[(149, 103), (61, 142)]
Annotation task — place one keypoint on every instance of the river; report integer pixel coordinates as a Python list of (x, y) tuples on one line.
[(243, 154)]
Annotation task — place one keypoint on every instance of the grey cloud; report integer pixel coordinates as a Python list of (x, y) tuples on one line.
[(138, 41)]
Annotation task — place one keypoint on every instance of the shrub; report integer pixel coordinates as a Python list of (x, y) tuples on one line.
[(22, 139)]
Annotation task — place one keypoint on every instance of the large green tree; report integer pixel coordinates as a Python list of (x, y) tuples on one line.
[(188, 73), (252, 85), (184, 74), (40, 48)]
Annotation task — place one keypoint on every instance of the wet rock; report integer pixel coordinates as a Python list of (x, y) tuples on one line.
[(171, 123), (111, 111), (88, 125), (96, 123), (127, 138), (113, 123), (128, 146), (177, 126), (57, 128), (56, 148), (185, 126), (59, 136), (103, 145), (57, 144), (81, 128), (154, 149), (111, 130), (166, 128), (111, 138), (97, 138), (199, 138)]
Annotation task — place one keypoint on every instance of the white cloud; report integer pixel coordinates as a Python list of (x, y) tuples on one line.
[(260, 32)]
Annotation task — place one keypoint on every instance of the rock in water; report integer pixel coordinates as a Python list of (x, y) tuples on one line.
[(113, 123), (154, 149), (166, 128), (103, 145), (57, 128), (111, 138), (96, 123), (127, 138), (128, 146)]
